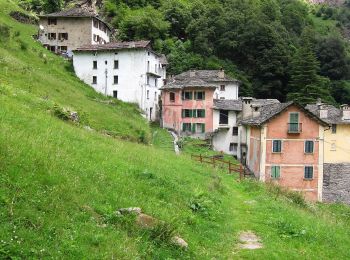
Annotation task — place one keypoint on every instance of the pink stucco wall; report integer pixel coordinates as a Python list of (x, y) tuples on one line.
[(171, 111), (292, 159)]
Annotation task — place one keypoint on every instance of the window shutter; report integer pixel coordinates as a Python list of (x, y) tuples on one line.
[(294, 118), (203, 95), (203, 111), (193, 128), (194, 113), (195, 95), (183, 113), (183, 95), (183, 126), (190, 95), (203, 128)]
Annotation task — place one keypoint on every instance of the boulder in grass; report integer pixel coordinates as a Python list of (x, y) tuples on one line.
[(146, 221), (131, 210), (180, 242)]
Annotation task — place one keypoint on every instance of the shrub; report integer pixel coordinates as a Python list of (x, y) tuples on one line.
[(61, 113), (23, 45), (162, 233), (5, 33)]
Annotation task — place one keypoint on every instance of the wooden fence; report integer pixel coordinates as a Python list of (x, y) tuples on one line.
[(220, 163)]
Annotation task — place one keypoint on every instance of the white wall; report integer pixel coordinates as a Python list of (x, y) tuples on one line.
[(223, 136), (231, 90), (132, 75), (99, 32)]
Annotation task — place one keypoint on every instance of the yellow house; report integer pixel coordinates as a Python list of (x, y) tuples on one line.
[(336, 182)]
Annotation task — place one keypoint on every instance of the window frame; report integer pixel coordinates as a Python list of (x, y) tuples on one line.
[(115, 94), (147, 94), (170, 98), (115, 82), (51, 21), (196, 95), (273, 176), (186, 124), (116, 64), (233, 130), (183, 95), (290, 123), (196, 114), (222, 88), (281, 146), (94, 80), (313, 146), (94, 62), (312, 172), (334, 128), (227, 118)]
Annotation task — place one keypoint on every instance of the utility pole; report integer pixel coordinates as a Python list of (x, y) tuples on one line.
[(106, 72)]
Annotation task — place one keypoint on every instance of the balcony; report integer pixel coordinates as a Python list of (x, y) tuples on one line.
[(294, 128)]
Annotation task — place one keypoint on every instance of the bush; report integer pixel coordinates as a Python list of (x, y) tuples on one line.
[(5, 33), (61, 113), (162, 233), (23, 45)]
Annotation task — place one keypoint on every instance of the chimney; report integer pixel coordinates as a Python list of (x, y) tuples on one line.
[(318, 102), (247, 107), (345, 112), (255, 111), (221, 74), (192, 73), (322, 110)]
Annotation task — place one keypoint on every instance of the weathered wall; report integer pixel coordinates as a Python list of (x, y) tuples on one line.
[(254, 150), (336, 182), (293, 159)]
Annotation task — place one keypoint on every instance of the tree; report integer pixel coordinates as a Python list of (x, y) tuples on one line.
[(306, 85), (51, 6), (333, 58), (146, 23)]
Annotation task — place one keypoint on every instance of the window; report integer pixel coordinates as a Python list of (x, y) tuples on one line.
[(147, 80), (234, 130), (276, 146), (62, 48), (199, 95), (233, 147), (186, 95), (222, 97), (293, 123), (94, 80), (147, 66), (106, 62), (275, 172), (155, 96), (200, 128), (172, 96), (52, 36), (155, 82), (309, 172), (334, 129), (115, 80), (95, 23), (52, 21), (115, 94), (199, 113), (223, 119), (116, 64), (186, 113), (94, 64), (147, 94), (309, 146), (222, 87), (186, 127), (63, 36)]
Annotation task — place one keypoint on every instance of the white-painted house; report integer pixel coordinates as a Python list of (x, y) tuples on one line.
[(129, 71)]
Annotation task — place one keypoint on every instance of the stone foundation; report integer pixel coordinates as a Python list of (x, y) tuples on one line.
[(336, 182)]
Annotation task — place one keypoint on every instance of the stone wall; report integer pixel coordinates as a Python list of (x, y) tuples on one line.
[(336, 182)]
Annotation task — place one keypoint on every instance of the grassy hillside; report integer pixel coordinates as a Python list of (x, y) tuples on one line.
[(60, 184)]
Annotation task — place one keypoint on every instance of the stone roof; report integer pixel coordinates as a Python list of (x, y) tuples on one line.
[(73, 12), (264, 102), (163, 60), (334, 115), (269, 111), (228, 104), (198, 78), (115, 46)]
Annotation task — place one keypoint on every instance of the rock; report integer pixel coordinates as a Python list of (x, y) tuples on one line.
[(131, 210), (178, 241), (249, 241), (86, 127), (74, 116), (146, 221)]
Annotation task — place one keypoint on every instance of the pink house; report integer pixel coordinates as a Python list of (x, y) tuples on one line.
[(285, 146), (188, 100)]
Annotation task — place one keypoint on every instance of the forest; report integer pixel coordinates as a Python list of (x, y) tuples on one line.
[(284, 49)]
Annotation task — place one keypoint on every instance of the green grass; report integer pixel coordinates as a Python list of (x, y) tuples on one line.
[(161, 138), (60, 184)]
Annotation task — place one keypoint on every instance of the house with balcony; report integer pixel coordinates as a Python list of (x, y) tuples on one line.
[(64, 31), (188, 101), (336, 180), (129, 71), (284, 145)]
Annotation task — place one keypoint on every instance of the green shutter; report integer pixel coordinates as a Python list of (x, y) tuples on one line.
[(203, 95), (294, 118), (195, 95), (193, 128), (190, 96), (183, 95), (203, 128), (183, 127), (194, 113), (183, 113), (203, 111), (275, 172), (190, 112)]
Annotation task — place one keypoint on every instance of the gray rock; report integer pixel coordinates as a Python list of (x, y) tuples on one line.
[(131, 210), (180, 242)]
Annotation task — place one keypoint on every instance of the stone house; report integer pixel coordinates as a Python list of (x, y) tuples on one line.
[(63, 31), (190, 99), (285, 144), (129, 71), (336, 183)]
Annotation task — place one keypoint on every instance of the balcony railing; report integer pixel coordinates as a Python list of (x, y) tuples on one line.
[(294, 128)]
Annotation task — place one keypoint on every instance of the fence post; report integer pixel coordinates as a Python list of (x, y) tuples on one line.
[(200, 158), (240, 172)]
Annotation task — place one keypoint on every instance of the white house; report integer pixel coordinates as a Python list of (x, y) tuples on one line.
[(129, 71), (63, 31), (226, 132)]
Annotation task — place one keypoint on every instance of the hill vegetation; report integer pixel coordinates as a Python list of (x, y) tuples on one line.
[(61, 182)]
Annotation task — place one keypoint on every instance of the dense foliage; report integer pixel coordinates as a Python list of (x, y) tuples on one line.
[(256, 41)]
